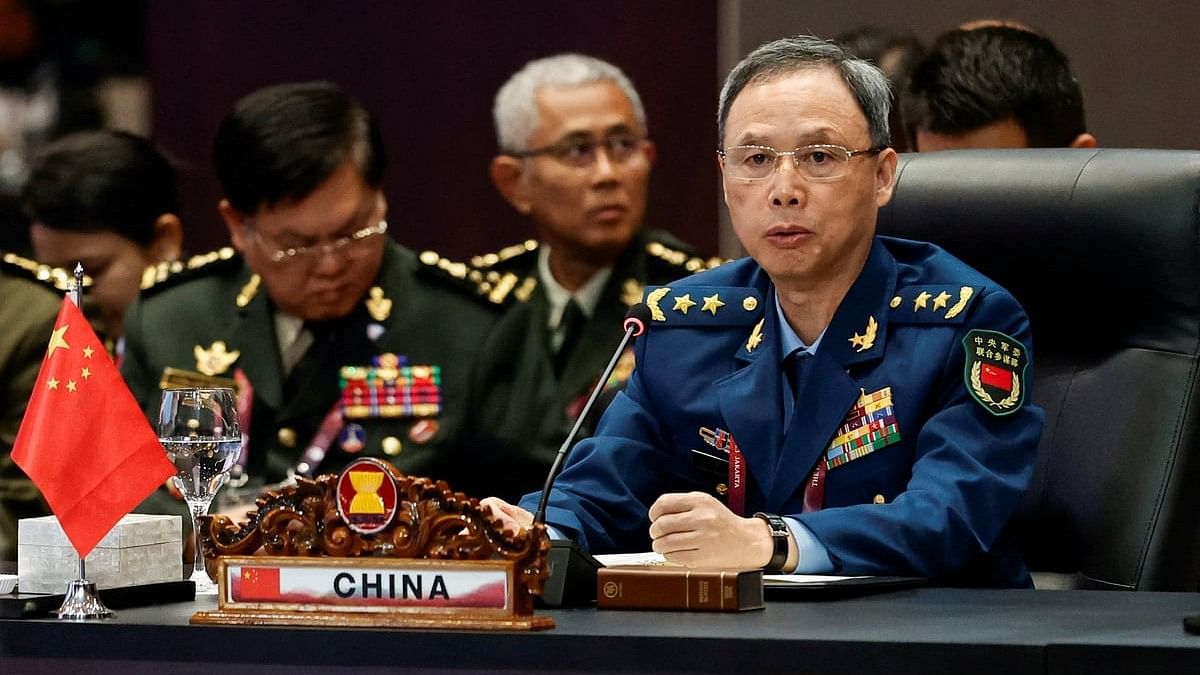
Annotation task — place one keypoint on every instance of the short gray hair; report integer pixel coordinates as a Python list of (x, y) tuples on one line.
[(788, 55), (515, 110)]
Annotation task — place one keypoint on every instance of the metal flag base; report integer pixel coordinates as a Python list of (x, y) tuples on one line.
[(81, 602)]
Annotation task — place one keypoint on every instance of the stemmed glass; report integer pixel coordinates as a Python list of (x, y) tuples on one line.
[(200, 431)]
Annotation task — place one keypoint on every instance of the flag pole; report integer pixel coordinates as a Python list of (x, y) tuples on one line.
[(81, 601)]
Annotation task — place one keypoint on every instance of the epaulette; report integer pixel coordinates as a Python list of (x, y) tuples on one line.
[(447, 270), (934, 304), (694, 306), (690, 263), (56, 278), (493, 276), (166, 274)]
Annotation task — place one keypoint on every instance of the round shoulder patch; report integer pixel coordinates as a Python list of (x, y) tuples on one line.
[(995, 370)]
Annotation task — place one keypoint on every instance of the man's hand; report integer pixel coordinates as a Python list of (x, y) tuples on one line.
[(695, 529), (512, 518)]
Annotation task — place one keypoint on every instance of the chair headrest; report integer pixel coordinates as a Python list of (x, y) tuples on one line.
[(1101, 244)]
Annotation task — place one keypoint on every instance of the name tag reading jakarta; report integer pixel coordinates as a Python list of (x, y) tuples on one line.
[(379, 586)]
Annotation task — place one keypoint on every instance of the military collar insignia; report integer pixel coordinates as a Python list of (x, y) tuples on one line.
[(216, 359), (862, 343), (248, 291), (756, 337), (378, 305), (994, 370)]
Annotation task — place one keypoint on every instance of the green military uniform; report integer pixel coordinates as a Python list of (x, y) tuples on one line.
[(30, 296), (525, 411), (212, 318)]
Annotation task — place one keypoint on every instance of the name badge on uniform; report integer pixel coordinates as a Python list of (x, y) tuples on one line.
[(390, 388), (870, 425)]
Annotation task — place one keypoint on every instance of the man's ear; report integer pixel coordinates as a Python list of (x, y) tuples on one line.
[(885, 176), (507, 175), (168, 238), (650, 150), (1085, 140), (235, 222)]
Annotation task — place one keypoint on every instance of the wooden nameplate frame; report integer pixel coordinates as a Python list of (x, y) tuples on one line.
[(373, 548)]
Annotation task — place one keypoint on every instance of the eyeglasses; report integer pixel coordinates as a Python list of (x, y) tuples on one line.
[(348, 246), (817, 163), (581, 153)]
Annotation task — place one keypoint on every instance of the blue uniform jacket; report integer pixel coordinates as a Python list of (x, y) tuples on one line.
[(935, 500)]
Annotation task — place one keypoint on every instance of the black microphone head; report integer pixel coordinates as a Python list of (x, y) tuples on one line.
[(637, 317)]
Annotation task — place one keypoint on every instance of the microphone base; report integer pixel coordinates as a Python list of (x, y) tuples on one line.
[(572, 581)]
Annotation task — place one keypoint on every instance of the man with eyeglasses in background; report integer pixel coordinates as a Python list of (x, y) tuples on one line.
[(574, 157), (340, 341), (842, 402)]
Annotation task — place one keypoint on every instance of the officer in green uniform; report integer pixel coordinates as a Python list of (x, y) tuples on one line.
[(576, 159), (32, 294), (340, 341)]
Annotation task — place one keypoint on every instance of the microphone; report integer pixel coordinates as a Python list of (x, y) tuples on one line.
[(634, 324), (572, 579)]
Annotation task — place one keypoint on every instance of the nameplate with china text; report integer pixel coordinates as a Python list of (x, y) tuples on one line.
[(375, 592)]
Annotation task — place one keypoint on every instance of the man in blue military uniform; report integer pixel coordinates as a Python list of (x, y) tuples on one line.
[(864, 398)]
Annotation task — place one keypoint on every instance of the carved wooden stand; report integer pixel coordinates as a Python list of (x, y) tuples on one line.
[(434, 528)]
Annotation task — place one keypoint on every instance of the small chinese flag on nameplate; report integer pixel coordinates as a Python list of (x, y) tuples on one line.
[(84, 441)]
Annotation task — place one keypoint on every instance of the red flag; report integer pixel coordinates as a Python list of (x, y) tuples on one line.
[(259, 584), (84, 441), (994, 376)]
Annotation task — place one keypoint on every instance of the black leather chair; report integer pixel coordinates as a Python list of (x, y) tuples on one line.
[(1102, 247)]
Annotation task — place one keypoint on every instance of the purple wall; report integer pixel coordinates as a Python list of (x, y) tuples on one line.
[(429, 71)]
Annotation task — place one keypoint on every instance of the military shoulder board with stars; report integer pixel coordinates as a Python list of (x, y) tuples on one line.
[(995, 370), (933, 304), (696, 306)]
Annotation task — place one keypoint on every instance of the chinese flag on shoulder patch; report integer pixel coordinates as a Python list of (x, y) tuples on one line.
[(84, 441), (995, 376)]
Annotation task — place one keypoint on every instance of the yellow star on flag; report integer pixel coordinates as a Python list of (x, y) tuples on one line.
[(85, 373), (70, 385), (87, 352), (711, 303), (57, 340), (683, 303), (52, 383)]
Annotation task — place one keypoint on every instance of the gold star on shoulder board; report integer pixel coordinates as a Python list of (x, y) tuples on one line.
[(683, 303), (941, 300), (865, 341), (922, 301), (712, 303), (755, 337)]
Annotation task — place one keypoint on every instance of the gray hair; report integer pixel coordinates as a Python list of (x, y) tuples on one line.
[(515, 110), (788, 55)]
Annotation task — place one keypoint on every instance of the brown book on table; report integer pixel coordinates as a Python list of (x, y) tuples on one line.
[(676, 587)]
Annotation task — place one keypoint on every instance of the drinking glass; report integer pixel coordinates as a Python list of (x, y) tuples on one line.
[(199, 429)]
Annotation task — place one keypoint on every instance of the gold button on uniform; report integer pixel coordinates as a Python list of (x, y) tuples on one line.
[(287, 437), (392, 446), (749, 304), (879, 499)]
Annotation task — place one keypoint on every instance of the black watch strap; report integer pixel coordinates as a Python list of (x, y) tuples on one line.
[(780, 535)]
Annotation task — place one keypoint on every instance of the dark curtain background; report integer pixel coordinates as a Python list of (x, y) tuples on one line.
[(429, 71)]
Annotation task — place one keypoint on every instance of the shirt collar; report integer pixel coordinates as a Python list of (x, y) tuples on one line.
[(586, 296), (789, 341)]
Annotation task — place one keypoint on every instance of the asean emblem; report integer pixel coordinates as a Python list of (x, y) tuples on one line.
[(995, 370), (367, 495)]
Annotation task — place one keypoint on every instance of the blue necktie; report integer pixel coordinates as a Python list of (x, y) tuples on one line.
[(796, 367)]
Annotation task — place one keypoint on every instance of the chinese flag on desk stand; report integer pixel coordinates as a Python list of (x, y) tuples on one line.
[(84, 441)]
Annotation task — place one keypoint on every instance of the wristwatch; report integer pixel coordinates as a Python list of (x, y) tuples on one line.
[(780, 535)]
